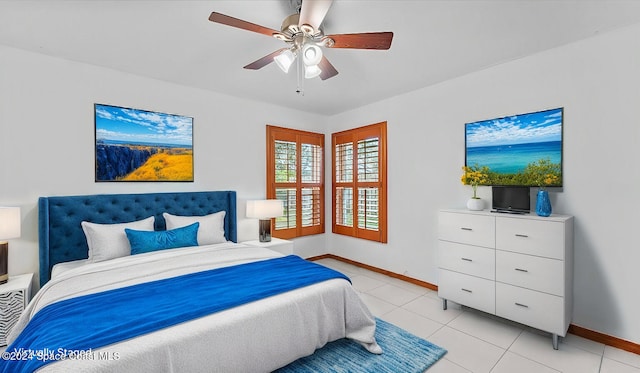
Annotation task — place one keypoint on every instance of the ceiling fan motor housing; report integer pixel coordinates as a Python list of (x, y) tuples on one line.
[(292, 32), (290, 25)]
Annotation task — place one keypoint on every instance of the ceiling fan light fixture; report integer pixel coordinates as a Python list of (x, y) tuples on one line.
[(311, 71), (284, 60), (311, 54)]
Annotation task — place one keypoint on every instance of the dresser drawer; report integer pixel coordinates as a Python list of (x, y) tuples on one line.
[(532, 272), (468, 290), (529, 236), (478, 230), (471, 260), (539, 310)]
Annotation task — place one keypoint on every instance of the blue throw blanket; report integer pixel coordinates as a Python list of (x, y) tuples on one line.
[(92, 321)]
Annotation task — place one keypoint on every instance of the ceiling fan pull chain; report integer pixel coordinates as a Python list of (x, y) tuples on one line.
[(300, 75)]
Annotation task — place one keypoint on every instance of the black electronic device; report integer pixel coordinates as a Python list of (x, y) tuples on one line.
[(511, 199)]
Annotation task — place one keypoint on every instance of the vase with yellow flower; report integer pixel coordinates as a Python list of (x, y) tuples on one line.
[(474, 176), (544, 174)]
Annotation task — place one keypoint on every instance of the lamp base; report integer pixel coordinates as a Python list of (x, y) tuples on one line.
[(264, 234), (4, 262)]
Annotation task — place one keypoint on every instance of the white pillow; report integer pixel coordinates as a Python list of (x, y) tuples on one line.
[(108, 241), (211, 228)]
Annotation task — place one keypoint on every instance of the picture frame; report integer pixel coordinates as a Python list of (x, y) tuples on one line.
[(515, 150), (134, 145)]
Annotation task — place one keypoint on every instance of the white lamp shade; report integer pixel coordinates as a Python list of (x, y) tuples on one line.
[(9, 222), (311, 71), (284, 60), (265, 209), (311, 54)]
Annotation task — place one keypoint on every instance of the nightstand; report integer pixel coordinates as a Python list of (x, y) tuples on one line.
[(14, 297), (282, 246)]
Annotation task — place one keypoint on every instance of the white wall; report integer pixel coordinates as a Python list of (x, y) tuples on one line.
[(596, 81), (47, 139)]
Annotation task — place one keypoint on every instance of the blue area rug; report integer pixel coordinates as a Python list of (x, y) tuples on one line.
[(403, 352)]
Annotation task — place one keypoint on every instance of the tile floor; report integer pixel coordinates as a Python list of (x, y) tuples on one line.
[(478, 342)]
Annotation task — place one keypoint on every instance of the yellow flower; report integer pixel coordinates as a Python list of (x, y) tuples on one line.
[(543, 173), (474, 176)]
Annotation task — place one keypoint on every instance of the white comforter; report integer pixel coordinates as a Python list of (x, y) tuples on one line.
[(256, 337)]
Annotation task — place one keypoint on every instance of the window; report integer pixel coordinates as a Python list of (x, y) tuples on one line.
[(295, 175), (360, 182)]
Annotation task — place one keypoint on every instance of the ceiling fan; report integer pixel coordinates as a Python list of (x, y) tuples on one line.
[(304, 35)]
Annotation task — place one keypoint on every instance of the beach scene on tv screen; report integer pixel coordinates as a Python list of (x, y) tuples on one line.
[(511, 149), (138, 145)]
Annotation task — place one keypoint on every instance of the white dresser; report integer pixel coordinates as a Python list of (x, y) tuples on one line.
[(519, 267)]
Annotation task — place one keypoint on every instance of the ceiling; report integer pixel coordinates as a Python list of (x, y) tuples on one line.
[(433, 41)]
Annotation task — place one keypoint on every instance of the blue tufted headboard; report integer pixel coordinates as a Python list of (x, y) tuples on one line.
[(59, 218)]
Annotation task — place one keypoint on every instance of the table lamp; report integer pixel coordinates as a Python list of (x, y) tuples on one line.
[(9, 228), (265, 210)]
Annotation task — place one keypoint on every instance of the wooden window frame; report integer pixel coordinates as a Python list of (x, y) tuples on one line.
[(274, 134), (378, 130)]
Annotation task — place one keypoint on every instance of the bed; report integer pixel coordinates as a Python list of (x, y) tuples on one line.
[(257, 334)]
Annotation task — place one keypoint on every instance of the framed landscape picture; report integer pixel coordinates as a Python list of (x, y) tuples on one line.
[(515, 150), (140, 145)]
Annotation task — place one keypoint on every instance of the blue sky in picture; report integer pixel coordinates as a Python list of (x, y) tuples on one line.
[(535, 127), (133, 126)]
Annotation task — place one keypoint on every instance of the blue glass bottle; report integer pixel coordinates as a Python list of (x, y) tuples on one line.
[(543, 203)]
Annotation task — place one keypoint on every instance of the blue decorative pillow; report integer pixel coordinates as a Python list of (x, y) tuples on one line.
[(145, 241)]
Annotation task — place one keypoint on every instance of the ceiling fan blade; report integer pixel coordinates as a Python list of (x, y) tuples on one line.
[(367, 40), (313, 12), (264, 61), (235, 22), (328, 71)]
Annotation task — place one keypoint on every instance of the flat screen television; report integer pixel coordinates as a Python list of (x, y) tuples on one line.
[(511, 199), (507, 146)]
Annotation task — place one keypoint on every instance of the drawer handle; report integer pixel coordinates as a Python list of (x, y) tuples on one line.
[(521, 235), (467, 259), (521, 270), (466, 229), (521, 305), (467, 290)]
